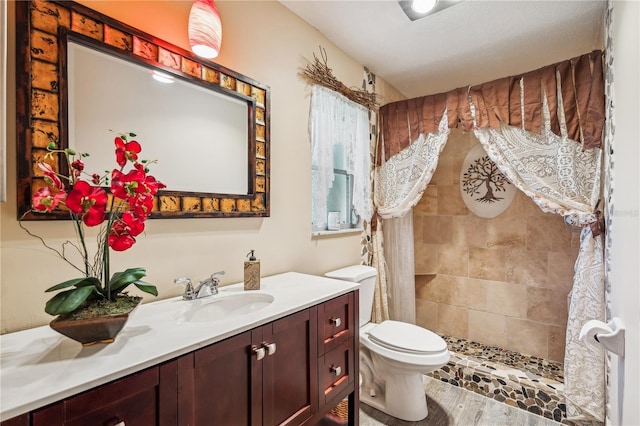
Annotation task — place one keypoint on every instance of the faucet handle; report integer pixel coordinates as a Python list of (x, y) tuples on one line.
[(209, 286), (189, 292), (215, 275)]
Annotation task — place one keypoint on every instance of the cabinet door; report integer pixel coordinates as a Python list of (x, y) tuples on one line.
[(147, 398), (222, 385), (290, 369)]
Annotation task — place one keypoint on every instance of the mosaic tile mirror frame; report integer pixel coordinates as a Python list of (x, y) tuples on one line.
[(42, 29)]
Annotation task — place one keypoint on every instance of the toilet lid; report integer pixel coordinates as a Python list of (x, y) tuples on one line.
[(407, 337)]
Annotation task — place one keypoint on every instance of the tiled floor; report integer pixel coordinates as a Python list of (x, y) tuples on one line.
[(530, 383), (451, 405)]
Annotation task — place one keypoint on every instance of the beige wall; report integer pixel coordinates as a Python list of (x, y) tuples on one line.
[(264, 41), (502, 281)]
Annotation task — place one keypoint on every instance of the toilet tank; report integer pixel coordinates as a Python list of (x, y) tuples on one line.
[(366, 277)]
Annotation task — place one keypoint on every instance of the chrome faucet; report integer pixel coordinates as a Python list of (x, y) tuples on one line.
[(208, 287)]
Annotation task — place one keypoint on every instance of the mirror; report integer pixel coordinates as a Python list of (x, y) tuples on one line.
[(177, 122), (208, 130)]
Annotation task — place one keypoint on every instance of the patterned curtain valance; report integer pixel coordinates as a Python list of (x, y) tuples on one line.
[(574, 90)]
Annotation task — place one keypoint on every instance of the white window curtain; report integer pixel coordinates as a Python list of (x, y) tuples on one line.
[(562, 178), (399, 184), (338, 123)]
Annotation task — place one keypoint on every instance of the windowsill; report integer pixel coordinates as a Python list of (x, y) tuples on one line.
[(339, 232)]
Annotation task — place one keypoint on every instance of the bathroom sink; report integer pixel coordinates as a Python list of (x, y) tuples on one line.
[(226, 306)]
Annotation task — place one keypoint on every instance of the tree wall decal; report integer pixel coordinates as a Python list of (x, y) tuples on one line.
[(483, 174)]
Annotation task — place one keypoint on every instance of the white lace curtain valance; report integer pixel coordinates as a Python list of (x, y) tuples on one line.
[(401, 179)]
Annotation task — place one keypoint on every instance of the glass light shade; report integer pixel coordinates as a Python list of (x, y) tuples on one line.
[(205, 29), (423, 6)]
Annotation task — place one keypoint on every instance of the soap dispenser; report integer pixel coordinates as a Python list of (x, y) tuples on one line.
[(252, 272)]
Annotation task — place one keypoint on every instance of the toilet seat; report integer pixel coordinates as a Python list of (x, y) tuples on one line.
[(407, 338), (413, 357)]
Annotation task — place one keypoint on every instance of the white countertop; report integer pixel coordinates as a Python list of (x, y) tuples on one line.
[(39, 366)]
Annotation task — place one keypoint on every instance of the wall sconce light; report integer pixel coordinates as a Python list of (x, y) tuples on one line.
[(205, 29)]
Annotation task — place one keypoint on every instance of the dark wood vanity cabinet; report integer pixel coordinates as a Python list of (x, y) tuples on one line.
[(338, 355), (266, 376), (144, 398), (291, 371)]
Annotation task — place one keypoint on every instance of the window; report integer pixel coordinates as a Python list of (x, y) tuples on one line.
[(340, 161), (339, 201)]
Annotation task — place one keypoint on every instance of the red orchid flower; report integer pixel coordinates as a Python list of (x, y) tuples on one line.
[(78, 165), (134, 225), (153, 185), (124, 230), (126, 185), (89, 202), (45, 201), (142, 205), (120, 242), (126, 151), (50, 176)]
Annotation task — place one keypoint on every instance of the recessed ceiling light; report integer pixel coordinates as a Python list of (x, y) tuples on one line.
[(418, 9), (423, 6)]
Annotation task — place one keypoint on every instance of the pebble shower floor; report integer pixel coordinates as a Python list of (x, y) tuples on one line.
[(527, 382)]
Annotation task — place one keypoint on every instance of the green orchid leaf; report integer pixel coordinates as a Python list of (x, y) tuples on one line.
[(119, 280), (77, 282), (67, 301), (146, 287)]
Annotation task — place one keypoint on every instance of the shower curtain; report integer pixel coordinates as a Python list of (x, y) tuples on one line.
[(399, 184), (563, 179), (543, 129)]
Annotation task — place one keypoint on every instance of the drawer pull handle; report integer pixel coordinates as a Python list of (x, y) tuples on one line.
[(336, 321), (115, 421), (270, 347), (259, 352), (336, 370), (120, 424)]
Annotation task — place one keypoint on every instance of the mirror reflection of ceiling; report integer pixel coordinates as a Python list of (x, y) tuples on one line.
[(474, 42)]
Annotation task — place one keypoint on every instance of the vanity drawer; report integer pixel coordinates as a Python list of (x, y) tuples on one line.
[(132, 401), (335, 322), (336, 371)]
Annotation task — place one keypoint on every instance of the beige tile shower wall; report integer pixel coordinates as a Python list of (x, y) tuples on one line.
[(502, 281)]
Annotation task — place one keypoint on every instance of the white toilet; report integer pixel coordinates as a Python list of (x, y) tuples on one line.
[(393, 354)]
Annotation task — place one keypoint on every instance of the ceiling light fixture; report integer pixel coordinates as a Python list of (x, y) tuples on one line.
[(418, 9), (423, 6), (205, 29)]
